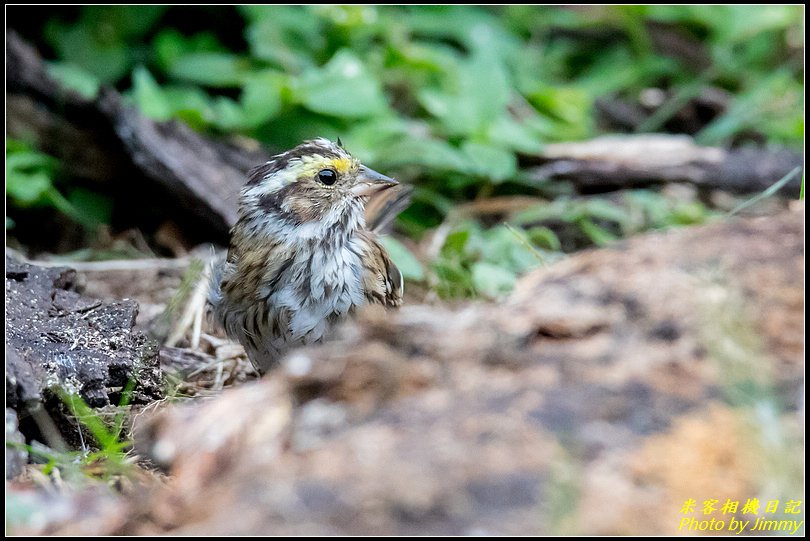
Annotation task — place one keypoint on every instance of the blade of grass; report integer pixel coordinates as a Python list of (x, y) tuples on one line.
[(768, 192), (120, 417), (526, 244), (86, 416)]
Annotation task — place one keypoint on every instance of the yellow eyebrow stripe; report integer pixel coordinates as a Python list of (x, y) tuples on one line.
[(342, 165)]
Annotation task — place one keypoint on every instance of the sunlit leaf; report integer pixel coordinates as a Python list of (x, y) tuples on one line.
[(342, 88), (29, 174), (28, 189), (472, 95), (211, 69)]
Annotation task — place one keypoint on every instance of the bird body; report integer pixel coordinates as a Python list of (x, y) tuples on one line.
[(301, 256)]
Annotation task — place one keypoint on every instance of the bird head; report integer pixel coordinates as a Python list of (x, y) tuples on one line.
[(317, 182)]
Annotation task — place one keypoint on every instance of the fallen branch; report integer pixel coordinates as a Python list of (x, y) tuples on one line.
[(632, 161)]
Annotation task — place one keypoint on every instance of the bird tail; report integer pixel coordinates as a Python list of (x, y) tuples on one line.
[(215, 271)]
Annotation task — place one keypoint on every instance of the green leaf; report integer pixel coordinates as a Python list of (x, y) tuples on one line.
[(488, 161), (262, 97), (602, 209), (287, 36), (28, 189), (750, 107), (738, 24), (23, 159), (453, 279), (474, 27), (121, 21), (599, 235), (491, 280), (190, 104), (519, 136), (370, 140), (75, 78), (105, 56), (342, 88), (545, 238), (424, 151), (407, 263), (228, 114), (510, 249), (55, 199), (29, 174), (170, 45), (295, 124), (212, 69), (473, 95), (690, 213), (455, 242), (148, 96), (568, 107), (91, 208)]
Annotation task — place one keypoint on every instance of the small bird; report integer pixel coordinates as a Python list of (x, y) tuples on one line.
[(302, 253)]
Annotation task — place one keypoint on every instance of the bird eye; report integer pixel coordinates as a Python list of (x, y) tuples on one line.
[(327, 176)]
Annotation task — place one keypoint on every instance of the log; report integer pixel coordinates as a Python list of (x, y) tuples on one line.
[(635, 161), (194, 178)]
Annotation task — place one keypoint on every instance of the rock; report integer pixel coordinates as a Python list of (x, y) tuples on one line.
[(61, 342), (16, 455), (90, 510)]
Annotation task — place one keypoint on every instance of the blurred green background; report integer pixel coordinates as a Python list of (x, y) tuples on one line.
[(453, 99)]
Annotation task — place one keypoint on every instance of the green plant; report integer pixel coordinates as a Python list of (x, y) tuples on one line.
[(474, 261), (31, 182), (105, 447)]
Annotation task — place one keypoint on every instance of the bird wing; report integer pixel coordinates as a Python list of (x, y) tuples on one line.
[(381, 279)]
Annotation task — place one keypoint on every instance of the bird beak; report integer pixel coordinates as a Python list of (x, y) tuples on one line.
[(370, 182)]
